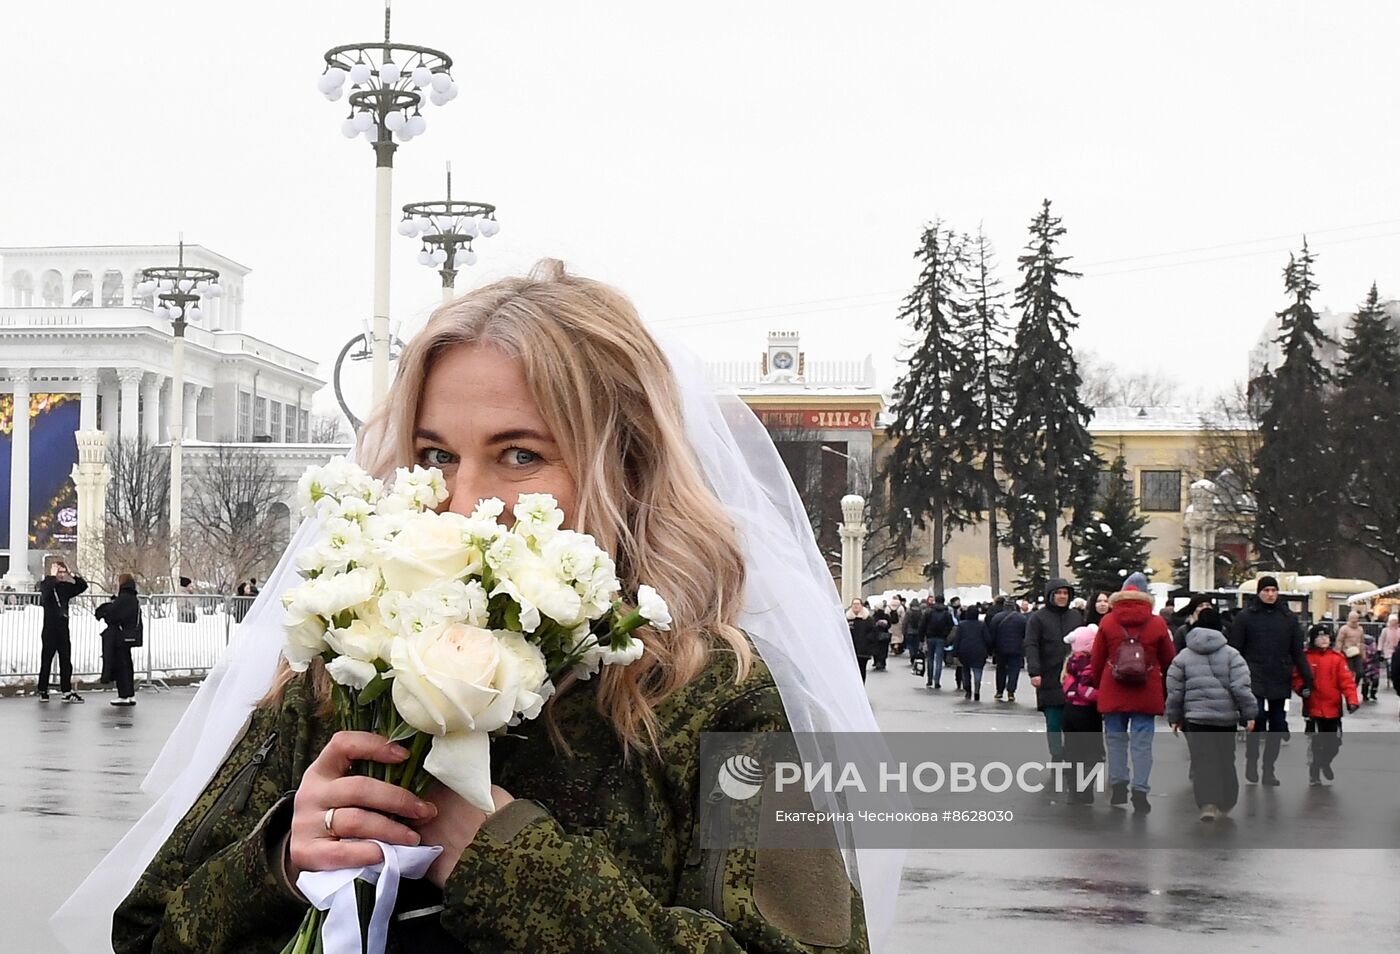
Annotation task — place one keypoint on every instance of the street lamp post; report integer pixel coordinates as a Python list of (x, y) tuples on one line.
[(446, 230), (362, 342), (387, 82), (177, 291)]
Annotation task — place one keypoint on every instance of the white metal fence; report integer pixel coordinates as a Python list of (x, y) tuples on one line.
[(184, 635)]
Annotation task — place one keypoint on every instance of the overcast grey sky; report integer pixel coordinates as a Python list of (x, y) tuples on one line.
[(737, 166)]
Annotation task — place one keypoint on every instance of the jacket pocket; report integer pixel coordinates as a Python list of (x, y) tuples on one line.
[(231, 801)]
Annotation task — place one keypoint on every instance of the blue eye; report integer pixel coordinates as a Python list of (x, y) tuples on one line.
[(434, 457), (520, 457)]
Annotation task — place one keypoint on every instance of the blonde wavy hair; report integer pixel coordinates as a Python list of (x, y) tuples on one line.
[(609, 396)]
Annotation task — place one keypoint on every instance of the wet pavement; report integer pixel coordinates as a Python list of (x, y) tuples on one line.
[(72, 788)]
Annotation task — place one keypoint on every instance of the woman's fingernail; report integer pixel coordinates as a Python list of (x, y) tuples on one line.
[(398, 751), (426, 809)]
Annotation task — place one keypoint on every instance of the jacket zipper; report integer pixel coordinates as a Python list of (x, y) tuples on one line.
[(714, 858), (232, 800)]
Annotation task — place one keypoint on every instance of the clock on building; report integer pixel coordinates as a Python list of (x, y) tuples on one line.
[(783, 360)]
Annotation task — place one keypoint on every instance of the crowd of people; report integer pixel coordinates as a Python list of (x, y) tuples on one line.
[(1105, 669)]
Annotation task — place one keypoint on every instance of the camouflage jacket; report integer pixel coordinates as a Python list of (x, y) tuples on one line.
[(598, 853)]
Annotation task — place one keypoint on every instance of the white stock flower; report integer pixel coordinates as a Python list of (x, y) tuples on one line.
[(305, 641), (421, 489), (341, 543), (540, 592), (590, 653), (337, 480), (364, 639), (352, 672), (453, 601), (429, 547), (653, 608), (531, 675), (488, 509), (329, 595), (537, 516), (629, 653)]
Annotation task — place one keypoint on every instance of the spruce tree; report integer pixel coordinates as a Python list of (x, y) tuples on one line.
[(929, 480), (1366, 414), (1048, 454), (1112, 544), (985, 397), (1296, 483)]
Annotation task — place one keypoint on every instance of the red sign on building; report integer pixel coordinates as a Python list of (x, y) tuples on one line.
[(815, 420)]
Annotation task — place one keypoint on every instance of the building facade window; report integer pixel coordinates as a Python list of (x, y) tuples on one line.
[(289, 434), (304, 427), (275, 428), (259, 416), (245, 417), (1161, 490), (1101, 487)]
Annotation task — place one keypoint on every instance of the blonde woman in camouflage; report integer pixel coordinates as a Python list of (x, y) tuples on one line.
[(545, 384)]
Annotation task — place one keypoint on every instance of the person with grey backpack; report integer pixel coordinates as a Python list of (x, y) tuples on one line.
[(1208, 695)]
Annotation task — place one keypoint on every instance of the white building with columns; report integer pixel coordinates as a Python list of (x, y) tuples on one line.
[(71, 323)]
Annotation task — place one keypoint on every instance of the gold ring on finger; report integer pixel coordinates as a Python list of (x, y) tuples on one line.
[(329, 822)]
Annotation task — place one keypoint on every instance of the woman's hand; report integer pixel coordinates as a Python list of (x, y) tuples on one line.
[(454, 827), (363, 807)]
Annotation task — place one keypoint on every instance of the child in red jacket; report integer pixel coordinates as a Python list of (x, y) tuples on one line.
[(1333, 685)]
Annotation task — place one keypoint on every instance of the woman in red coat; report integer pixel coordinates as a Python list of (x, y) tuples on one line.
[(1130, 658), (1333, 685)]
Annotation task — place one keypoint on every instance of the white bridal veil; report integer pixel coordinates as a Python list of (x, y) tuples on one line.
[(790, 609)]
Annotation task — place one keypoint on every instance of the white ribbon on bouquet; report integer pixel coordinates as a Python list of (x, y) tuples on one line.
[(334, 892)]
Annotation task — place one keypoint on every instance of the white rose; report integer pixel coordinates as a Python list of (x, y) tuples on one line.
[(653, 608), (352, 672), (305, 641), (364, 639), (629, 653), (429, 547), (445, 685)]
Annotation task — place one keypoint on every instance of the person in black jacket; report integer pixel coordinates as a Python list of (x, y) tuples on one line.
[(1008, 630), (55, 591), (913, 638), (863, 637), (123, 618), (884, 624), (972, 644), (1046, 650), (935, 628), (1270, 638)]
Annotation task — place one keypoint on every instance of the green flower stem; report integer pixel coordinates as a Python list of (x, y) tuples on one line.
[(632, 621), (416, 753)]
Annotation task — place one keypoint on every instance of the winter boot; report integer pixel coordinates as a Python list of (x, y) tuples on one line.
[(1140, 803), (1120, 794), (1251, 773)]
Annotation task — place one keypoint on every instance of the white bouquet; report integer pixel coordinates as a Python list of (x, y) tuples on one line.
[(439, 629)]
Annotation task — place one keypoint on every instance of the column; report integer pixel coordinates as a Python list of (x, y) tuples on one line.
[(90, 476), (111, 397), (150, 405), (88, 381), (18, 575), (191, 408), (131, 395), (852, 532)]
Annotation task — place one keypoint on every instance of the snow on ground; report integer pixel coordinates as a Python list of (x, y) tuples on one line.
[(178, 640)]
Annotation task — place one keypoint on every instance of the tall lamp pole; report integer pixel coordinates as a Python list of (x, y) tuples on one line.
[(387, 82), (446, 229), (177, 291)]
